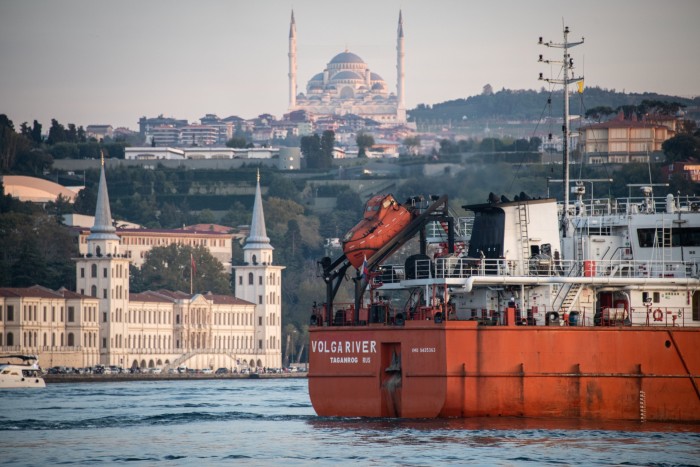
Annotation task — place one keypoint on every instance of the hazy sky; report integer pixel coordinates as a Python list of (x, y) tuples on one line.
[(111, 62)]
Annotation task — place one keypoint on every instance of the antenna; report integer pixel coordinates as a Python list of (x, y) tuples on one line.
[(567, 65)]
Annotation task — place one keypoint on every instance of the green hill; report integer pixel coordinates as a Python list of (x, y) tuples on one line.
[(531, 105)]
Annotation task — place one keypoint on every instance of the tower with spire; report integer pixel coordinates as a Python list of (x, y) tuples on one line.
[(104, 273), (292, 63), (400, 67), (259, 281)]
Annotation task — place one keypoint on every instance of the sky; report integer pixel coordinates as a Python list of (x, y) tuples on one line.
[(112, 62)]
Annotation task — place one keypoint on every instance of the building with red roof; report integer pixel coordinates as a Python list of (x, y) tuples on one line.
[(621, 141)]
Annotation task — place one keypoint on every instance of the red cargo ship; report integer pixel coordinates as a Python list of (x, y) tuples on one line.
[(490, 334), (590, 311)]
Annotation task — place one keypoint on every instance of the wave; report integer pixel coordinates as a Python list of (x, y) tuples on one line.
[(151, 420)]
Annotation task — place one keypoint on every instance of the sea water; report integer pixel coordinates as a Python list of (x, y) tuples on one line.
[(272, 422)]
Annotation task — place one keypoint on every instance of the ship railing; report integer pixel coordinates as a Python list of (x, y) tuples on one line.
[(586, 316), (451, 267), (652, 315), (629, 205), (437, 231)]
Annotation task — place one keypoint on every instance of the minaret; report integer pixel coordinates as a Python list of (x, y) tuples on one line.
[(104, 273), (401, 111), (258, 281), (292, 64)]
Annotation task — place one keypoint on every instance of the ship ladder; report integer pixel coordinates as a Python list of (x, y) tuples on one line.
[(663, 244), (574, 290), (578, 256), (524, 237)]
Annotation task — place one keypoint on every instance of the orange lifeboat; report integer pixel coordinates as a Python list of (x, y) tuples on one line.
[(384, 218)]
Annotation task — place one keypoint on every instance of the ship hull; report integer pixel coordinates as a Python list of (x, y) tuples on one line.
[(463, 369)]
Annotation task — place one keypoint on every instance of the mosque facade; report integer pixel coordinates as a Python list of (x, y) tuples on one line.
[(348, 86)]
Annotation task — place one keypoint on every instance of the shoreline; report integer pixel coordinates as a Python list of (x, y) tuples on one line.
[(58, 379)]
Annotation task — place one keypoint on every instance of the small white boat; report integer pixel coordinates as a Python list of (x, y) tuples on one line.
[(20, 375)]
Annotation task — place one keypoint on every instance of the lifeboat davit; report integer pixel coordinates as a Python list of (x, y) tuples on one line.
[(384, 218)]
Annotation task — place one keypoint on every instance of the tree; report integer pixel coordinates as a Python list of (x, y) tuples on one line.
[(8, 143), (170, 268), (72, 133), (206, 216), (27, 258), (237, 142), (36, 132), (681, 148), (448, 147), (29, 267), (311, 149), (57, 133), (327, 145), (33, 161), (491, 145), (86, 201), (364, 142), (237, 215), (412, 143), (282, 187), (172, 216), (599, 112), (294, 257)]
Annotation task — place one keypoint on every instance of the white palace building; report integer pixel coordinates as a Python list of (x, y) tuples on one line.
[(103, 323)]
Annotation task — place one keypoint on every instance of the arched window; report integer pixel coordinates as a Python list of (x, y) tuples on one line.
[(98, 251), (250, 278), (255, 259), (94, 291), (71, 339), (93, 270)]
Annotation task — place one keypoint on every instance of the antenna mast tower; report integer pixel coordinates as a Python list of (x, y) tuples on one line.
[(567, 67)]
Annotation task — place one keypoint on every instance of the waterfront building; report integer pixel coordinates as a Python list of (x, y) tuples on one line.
[(136, 243), (348, 86), (58, 325), (103, 322)]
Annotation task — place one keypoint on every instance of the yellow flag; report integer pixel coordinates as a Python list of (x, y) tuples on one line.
[(580, 87)]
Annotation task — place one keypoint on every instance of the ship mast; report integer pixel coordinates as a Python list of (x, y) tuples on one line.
[(567, 66)]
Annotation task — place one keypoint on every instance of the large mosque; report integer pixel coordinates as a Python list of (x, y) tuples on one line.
[(347, 86)]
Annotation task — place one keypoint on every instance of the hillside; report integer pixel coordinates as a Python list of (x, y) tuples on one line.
[(530, 105)]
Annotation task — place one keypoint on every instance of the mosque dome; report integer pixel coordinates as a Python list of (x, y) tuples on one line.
[(346, 57), (317, 77), (346, 75)]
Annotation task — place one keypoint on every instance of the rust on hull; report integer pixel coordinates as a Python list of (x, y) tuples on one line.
[(461, 369)]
